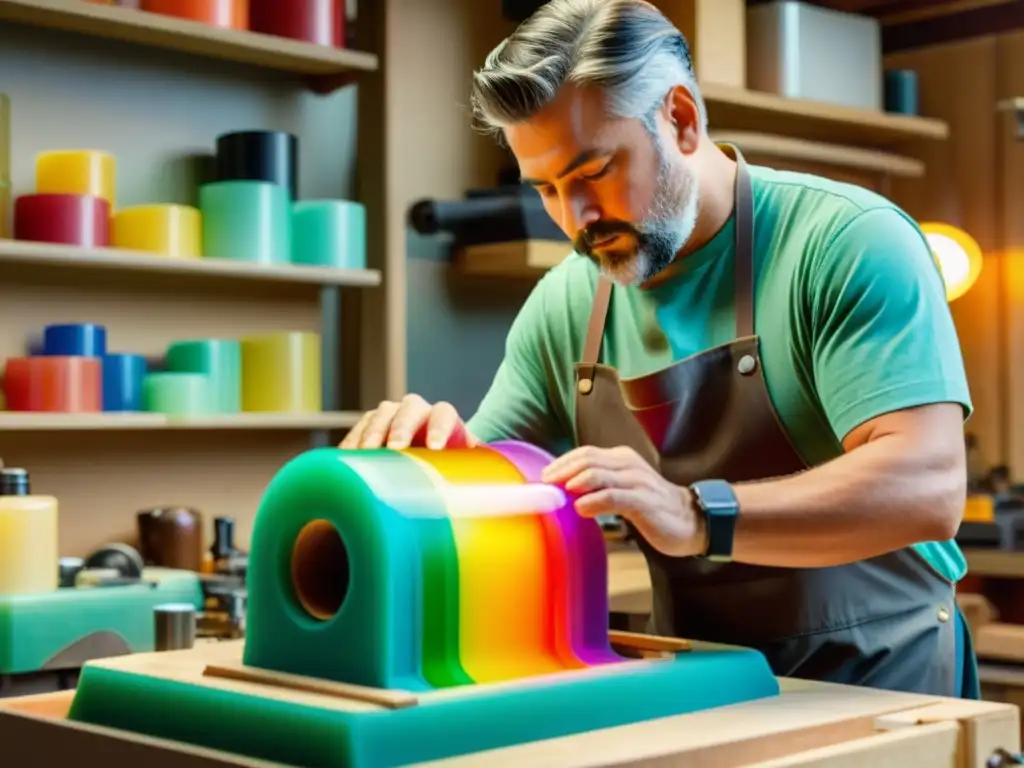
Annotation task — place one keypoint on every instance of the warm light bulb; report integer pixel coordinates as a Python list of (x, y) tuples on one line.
[(957, 254)]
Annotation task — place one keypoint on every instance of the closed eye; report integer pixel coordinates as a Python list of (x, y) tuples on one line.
[(598, 173)]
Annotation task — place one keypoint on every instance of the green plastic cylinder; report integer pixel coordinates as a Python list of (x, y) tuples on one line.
[(220, 360), (178, 394), (329, 233), (246, 221)]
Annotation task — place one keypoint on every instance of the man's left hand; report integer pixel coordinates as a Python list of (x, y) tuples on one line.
[(617, 481)]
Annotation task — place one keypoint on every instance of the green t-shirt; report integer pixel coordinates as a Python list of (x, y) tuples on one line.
[(849, 305)]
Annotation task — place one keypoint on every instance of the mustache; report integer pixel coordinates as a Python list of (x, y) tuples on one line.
[(588, 237)]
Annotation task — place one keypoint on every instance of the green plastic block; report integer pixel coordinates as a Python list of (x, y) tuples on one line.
[(220, 360), (467, 720), (178, 394), (373, 577), (35, 628)]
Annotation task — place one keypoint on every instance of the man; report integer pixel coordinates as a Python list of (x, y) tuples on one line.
[(757, 370)]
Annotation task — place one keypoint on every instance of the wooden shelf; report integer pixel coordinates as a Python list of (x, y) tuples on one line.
[(521, 258), (768, 145), (739, 109), (159, 31), (995, 563), (30, 253), (55, 422)]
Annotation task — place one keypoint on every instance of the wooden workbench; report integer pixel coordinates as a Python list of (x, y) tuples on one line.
[(809, 724)]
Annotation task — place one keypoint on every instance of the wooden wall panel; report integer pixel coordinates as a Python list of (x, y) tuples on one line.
[(417, 120), (1010, 189), (959, 84)]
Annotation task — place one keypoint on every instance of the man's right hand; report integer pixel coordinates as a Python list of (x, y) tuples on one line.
[(412, 422)]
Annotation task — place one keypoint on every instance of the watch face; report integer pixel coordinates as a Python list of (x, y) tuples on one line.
[(716, 496), (721, 509)]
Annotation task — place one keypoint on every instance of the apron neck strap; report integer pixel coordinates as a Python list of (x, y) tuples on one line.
[(744, 245), (744, 265)]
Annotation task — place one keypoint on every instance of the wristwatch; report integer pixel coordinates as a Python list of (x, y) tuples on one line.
[(718, 504)]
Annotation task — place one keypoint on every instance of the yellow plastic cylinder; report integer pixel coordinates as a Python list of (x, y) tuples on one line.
[(169, 230), (76, 172), (281, 373), (28, 545)]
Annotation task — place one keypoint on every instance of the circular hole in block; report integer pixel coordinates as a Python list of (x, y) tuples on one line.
[(319, 569)]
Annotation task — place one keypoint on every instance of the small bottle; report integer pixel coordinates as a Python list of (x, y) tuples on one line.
[(223, 548), (29, 556)]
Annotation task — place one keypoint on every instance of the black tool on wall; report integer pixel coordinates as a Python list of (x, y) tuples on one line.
[(495, 215)]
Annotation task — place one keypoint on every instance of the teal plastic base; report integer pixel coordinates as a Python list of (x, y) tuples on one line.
[(36, 629), (445, 724)]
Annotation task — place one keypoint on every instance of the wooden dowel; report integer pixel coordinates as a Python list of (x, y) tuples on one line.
[(381, 696)]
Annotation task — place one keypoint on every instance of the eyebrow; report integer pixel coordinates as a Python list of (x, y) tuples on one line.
[(582, 158)]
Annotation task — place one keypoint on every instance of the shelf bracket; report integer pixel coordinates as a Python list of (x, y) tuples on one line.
[(325, 85)]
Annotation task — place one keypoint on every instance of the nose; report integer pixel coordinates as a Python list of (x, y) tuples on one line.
[(578, 212)]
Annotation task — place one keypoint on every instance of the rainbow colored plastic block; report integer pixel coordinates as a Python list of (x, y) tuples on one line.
[(448, 594), (455, 576)]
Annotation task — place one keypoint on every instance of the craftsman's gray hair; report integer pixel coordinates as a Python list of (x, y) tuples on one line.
[(627, 48)]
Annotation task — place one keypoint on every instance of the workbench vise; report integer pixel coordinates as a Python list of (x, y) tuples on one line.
[(414, 605)]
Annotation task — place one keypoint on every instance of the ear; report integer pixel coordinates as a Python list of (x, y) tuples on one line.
[(684, 119)]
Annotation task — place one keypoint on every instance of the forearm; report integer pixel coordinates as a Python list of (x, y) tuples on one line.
[(884, 495)]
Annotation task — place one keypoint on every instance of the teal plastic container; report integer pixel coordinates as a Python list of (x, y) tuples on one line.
[(246, 221), (329, 233), (35, 629), (220, 360), (178, 394)]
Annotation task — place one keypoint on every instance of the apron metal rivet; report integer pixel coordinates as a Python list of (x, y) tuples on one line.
[(584, 386), (943, 614), (746, 365)]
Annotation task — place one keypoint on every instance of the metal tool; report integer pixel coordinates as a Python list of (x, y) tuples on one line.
[(175, 625)]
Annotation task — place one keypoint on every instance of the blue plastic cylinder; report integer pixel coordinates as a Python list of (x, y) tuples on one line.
[(75, 339), (123, 375)]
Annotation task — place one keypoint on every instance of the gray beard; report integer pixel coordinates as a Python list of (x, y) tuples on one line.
[(664, 231)]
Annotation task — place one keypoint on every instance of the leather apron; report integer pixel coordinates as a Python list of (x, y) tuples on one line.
[(887, 622)]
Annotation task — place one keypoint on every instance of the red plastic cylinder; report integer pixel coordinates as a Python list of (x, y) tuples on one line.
[(312, 21), (229, 14), (82, 220), (54, 384)]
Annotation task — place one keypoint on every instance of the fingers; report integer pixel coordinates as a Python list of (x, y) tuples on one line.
[(380, 425), (610, 501), (408, 422), (599, 478), (445, 428), (565, 467), (355, 435), (413, 421)]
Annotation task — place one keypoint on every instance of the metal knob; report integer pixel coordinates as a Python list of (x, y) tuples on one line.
[(175, 626)]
